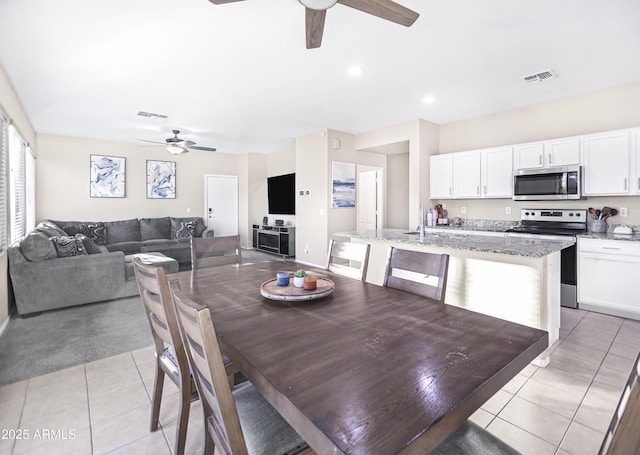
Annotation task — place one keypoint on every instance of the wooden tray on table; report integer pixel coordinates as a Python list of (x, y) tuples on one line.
[(271, 290)]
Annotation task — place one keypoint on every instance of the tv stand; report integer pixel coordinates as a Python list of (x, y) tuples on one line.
[(280, 240)]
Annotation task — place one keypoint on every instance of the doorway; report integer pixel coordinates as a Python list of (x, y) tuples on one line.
[(221, 204), (370, 199)]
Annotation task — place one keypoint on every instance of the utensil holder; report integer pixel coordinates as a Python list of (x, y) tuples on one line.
[(597, 226)]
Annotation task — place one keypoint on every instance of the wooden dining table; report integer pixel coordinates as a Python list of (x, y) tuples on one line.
[(365, 370)]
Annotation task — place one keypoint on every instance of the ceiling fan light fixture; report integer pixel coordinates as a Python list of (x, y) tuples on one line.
[(318, 5), (175, 149)]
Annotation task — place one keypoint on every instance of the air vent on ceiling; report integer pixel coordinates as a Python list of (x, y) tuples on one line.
[(539, 77), (151, 114)]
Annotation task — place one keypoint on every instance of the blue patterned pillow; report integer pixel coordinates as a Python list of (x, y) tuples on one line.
[(68, 246)]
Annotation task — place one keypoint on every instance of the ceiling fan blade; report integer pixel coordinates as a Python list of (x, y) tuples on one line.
[(385, 9), (198, 147), (315, 27), (153, 142)]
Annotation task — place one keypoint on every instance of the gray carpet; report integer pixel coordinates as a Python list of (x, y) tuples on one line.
[(59, 339)]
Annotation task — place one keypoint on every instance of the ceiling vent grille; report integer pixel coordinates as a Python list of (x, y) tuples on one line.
[(151, 114), (539, 77)]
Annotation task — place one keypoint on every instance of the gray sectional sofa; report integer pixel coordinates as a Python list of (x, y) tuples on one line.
[(66, 263)]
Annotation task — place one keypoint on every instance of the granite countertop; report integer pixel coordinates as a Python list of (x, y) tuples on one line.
[(635, 237), (501, 244)]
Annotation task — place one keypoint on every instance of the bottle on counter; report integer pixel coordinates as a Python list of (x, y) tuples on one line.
[(430, 218)]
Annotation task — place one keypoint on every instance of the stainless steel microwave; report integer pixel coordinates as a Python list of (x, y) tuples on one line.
[(553, 183)]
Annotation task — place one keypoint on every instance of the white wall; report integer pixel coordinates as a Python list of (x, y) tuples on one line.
[(397, 188), (602, 110), (12, 107)]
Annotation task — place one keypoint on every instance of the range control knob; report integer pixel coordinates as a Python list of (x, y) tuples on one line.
[(570, 213), (577, 213)]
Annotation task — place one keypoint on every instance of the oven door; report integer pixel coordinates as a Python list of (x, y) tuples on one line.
[(547, 184)]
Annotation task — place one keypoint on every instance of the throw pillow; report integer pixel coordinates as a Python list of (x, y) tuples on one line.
[(37, 247), (68, 246), (185, 229), (176, 224), (89, 245), (95, 232)]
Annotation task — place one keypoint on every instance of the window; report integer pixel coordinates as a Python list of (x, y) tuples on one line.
[(4, 150), (17, 185)]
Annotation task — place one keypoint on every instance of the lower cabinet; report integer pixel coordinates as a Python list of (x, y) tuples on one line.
[(608, 272)]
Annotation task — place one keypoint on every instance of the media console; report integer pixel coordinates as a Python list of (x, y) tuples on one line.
[(275, 239)]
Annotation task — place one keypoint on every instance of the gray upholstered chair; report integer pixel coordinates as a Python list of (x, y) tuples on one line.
[(215, 251), (417, 272), (238, 422), (349, 259)]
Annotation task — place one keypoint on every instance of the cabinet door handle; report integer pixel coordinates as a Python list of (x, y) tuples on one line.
[(609, 248), (450, 192), (638, 183), (478, 190), (550, 158), (625, 184), (540, 159), (485, 189)]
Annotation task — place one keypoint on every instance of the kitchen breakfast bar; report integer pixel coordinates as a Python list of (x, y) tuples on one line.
[(512, 278)]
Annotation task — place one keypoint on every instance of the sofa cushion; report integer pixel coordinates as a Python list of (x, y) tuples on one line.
[(49, 228), (160, 242), (126, 247), (187, 227), (91, 246), (155, 228), (94, 230), (122, 231), (68, 246), (37, 247)]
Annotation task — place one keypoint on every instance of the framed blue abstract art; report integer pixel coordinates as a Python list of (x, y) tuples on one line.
[(343, 185), (161, 179), (107, 176)]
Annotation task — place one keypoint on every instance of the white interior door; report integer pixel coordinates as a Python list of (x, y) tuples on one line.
[(369, 199), (221, 204)]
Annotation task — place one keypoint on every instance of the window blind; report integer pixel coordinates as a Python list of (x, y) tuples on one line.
[(30, 188), (17, 186), (4, 193)]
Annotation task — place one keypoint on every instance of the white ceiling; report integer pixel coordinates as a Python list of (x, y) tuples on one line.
[(238, 76)]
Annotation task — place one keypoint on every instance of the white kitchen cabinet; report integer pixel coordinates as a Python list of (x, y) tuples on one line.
[(556, 152), (441, 176), (466, 175), (636, 177), (497, 172), (607, 163), (529, 156), (608, 272)]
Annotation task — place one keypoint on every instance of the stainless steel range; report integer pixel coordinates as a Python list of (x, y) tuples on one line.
[(553, 224)]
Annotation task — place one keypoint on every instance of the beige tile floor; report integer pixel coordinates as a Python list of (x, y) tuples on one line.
[(103, 407)]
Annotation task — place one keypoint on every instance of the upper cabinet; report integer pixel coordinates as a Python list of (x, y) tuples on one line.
[(484, 173), (607, 163), (441, 176), (635, 137), (466, 175), (497, 172), (557, 152)]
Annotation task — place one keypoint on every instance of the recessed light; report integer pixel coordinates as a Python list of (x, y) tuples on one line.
[(429, 99), (354, 70)]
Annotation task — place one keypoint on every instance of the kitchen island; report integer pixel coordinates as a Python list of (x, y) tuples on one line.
[(512, 278)]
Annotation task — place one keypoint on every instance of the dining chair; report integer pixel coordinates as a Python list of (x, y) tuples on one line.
[(348, 258), (622, 437), (239, 421), (171, 358), (417, 272), (215, 251)]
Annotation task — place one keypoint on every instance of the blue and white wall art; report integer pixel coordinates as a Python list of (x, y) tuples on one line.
[(343, 184), (107, 176), (161, 179)]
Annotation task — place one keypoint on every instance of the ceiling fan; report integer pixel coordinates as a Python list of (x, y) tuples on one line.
[(316, 11), (176, 145)]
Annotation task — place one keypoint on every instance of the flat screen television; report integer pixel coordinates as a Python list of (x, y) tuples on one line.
[(281, 191)]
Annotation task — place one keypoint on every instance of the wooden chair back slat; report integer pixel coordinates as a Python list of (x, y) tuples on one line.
[(211, 378), (214, 251), (416, 271), (342, 255)]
